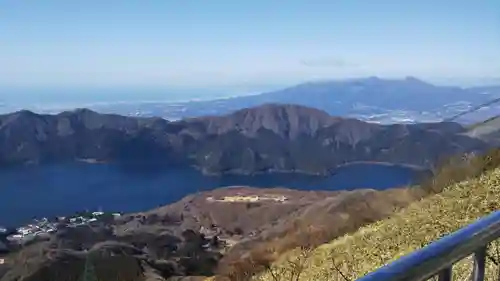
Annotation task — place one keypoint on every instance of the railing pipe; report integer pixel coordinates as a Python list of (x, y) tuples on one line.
[(438, 257)]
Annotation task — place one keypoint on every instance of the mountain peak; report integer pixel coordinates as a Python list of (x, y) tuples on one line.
[(277, 108), (287, 120), (373, 78), (370, 79), (20, 114), (24, 112), (376, 79), (83, 111), (286, 112), (79, 112), (414, 79)]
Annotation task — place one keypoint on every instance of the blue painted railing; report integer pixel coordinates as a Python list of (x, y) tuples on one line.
[(437, 259)]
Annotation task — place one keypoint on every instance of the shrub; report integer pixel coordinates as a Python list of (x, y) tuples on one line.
[(459, 168)]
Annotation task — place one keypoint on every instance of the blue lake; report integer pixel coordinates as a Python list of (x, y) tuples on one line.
[(55, 190)]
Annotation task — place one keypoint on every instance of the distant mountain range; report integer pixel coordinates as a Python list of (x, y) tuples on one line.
[(369, 99), (266, 138)]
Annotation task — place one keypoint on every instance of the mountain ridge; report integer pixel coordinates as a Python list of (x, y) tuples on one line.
[(266, 138)]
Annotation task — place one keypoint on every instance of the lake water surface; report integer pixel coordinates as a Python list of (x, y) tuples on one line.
[(55, 190)]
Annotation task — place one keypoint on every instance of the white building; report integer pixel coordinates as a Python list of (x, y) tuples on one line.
[(15, 237), (24, 230)]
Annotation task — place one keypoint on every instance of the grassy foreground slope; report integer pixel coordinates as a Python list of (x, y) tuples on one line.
[(354, 255)]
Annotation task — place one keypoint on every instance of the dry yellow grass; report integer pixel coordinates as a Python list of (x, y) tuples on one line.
[(411, 228)]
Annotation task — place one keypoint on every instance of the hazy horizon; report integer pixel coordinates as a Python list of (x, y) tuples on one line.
[(73, 96), (56, 99)]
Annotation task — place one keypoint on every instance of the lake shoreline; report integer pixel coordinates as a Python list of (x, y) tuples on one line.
[(51, 190), (272, 171), (410, 166)]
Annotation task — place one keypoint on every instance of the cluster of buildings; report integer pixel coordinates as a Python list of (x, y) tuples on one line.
[(44, 227), (32, 230)]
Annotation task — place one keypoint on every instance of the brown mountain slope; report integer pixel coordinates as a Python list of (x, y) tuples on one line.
[(255, 221), (166, 242)]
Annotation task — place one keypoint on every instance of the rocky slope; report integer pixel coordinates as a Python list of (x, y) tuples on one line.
[(267, 138)]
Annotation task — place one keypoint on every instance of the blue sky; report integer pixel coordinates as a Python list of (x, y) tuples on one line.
[(188, 43)]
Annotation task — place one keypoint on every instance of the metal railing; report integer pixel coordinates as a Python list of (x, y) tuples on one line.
[(437, 259)]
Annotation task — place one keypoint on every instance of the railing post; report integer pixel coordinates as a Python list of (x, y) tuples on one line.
[(479, 264), (445, 274)]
